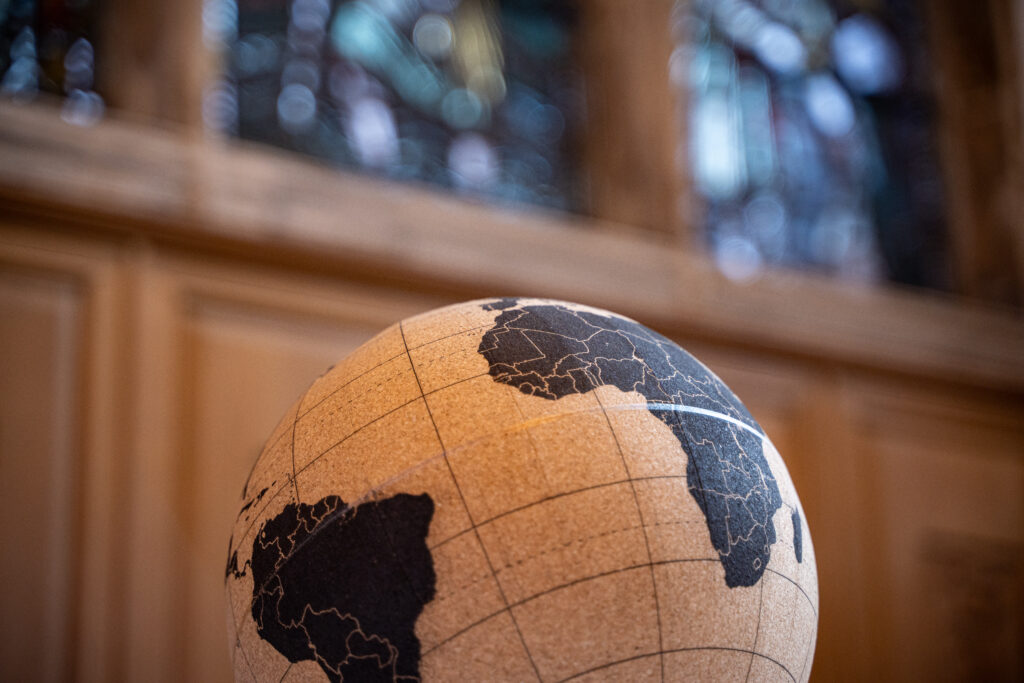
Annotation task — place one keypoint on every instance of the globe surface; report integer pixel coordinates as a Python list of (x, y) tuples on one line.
[(520, 489)]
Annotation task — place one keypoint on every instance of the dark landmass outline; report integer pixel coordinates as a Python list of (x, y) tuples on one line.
[(343, 586), (550, 350)]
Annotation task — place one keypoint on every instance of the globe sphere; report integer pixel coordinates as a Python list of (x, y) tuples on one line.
[(520, 489)]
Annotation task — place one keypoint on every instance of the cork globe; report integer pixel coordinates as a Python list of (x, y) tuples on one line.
[(515, 490)]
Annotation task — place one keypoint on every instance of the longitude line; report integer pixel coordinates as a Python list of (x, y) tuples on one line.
[(252, 672), (469, 514), (799, 587), (793, 607), (643, 527), (295, 483), (757, 632), (238, 640), (809, 655)]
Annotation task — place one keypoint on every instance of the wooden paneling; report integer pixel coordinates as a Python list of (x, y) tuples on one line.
[(148, 375), (244, 368), (58, 460), (632, 135), (801, 407), (41, 337), (152, 62), (278, 209), (222, 353), (945, 501), (979, 90)]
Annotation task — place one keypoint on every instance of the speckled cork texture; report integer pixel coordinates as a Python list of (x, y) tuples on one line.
[(515, 490)]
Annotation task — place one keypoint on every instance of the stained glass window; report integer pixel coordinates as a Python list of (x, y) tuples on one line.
[(811, 136), (47, 46), (475, 95)]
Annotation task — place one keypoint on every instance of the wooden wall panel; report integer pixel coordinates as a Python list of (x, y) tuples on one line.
[(146, 378), (946, 502), (41, 335), (245, 367), (225, 352), (800, 408), (58, 455)]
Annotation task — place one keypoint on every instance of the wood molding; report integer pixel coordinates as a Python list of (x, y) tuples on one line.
[(633, 132), (135, 182), (88, 549), (154, 63)]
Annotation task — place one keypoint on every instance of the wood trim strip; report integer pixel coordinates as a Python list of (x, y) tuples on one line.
[(140, 182)]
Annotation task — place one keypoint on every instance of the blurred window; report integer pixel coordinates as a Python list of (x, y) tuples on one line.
[(812, 141), (47, 46), (479, 96)]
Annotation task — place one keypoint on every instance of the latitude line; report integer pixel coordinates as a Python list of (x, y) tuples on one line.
[(334, 391), (273, 497), (643, 528), (449, 336), (554, 497), (256, 461), (473, 528), (810, 602), (476, 525), (465, 506), (629, 406), (277, 492), (380, 365), (559, 587), (681, 649)]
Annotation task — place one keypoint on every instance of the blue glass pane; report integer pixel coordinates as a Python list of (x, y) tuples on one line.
[(48, 46), (477, 96), (812, 137)]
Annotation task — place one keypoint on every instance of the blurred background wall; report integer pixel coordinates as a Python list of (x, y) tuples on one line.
[(203, 204)]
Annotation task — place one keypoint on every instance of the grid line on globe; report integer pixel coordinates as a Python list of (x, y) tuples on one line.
[(555, 538), (462, 498)]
